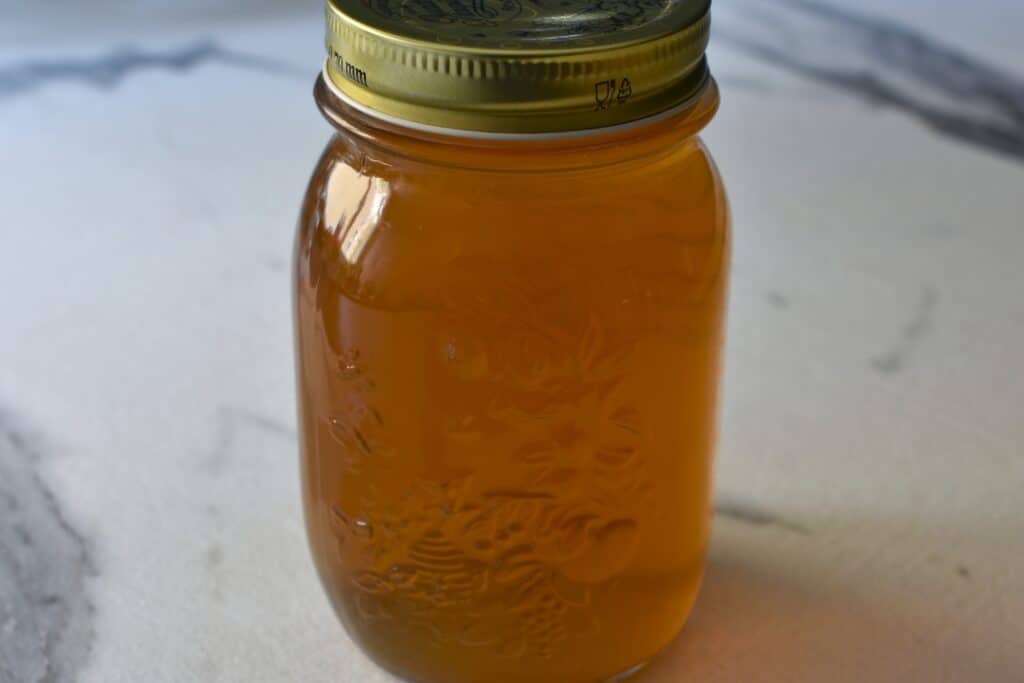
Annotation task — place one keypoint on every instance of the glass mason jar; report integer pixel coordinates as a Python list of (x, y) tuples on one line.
[(509, 304)]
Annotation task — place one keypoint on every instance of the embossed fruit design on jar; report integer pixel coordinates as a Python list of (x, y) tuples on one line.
[(510, 283)]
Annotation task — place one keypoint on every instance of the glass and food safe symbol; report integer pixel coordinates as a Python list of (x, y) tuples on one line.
[(606, 94)]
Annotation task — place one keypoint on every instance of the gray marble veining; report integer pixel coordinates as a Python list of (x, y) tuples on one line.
[(887, 64), (747, 512), (108, 70), (894, 360), (45, 613)]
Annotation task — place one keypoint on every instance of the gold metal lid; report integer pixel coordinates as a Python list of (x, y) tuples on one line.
[(516, 66)]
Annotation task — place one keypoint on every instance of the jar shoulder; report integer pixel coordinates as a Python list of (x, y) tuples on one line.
[(665, 188), (407, 230)]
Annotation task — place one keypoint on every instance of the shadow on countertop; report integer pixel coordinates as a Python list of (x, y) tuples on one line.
[(756, 621)]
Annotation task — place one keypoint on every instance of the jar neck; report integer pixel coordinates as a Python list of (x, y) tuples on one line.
[(653, 135)]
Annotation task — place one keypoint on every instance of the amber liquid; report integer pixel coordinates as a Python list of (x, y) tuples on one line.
[(508, 366)]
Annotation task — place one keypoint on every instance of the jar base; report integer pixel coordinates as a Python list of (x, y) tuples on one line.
[(627, 668), (621, 677)]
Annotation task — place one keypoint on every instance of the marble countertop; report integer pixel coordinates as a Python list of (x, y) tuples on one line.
[(870, 524)]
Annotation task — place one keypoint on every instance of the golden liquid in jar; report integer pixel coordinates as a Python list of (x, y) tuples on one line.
[(508, 367)]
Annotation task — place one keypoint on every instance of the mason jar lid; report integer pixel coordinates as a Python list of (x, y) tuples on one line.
[(516, 66)]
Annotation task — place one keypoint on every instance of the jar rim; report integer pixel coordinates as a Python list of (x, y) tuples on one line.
[(536, 153), (570, 134)]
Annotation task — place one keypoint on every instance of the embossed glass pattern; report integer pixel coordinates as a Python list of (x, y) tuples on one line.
[(508, 364)]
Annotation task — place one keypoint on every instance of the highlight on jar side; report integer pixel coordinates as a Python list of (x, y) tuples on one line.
[(510, 282)]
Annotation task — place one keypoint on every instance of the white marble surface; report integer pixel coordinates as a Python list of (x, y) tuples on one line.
[(871, 517)]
